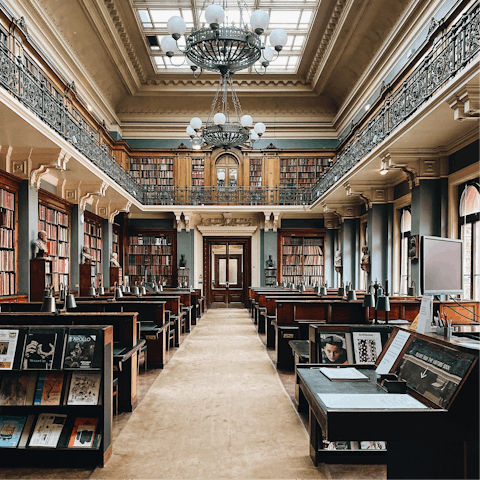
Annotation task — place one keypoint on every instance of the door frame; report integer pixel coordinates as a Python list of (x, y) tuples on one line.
[(207, 268)]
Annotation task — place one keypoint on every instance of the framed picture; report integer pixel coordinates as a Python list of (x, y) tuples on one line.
[(336, 348)]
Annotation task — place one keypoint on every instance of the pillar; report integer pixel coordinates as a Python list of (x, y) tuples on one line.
[(330, 246), (76, 244), (27, 233), (349, 255)]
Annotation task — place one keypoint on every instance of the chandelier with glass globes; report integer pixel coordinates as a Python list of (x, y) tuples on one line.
[(225, 49)]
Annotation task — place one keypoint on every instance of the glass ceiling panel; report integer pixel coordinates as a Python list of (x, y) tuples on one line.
[(295, 16)]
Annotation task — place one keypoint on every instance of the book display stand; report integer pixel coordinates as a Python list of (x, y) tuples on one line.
[(437, 416), (56, 395)]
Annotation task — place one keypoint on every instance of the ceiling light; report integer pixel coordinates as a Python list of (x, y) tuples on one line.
[(225, 48)]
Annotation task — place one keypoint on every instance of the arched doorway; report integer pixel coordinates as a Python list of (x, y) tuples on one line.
[(227, 171)]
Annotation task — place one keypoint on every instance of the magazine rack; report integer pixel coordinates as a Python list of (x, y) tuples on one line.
[(101, 449), (439, 439)]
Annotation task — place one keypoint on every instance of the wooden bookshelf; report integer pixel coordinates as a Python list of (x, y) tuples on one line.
[(152, 253), (152, 170), (198, 172), (8, 235), (92, 237), (302, 172), (301, 253), (256, 172), (54, 218), (116, 240)]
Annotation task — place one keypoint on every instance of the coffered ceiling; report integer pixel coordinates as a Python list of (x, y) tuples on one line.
[(110, 47)]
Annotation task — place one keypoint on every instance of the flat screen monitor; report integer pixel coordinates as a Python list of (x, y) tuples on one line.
[(442, 266)]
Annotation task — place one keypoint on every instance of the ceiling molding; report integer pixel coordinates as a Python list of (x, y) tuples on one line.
[(227, 231), (325, 41)]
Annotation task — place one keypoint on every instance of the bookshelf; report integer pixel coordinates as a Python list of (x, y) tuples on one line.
[(92, 237), (302, 172), (33, 400), (152, 170), (54, 218), (256, 172), (8, 235), (151, 254), (302, 256), (270, 276), (183, 276), (198, 172)]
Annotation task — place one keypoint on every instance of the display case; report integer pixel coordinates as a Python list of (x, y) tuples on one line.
[(301, 253), (54, 395), (422, 398)]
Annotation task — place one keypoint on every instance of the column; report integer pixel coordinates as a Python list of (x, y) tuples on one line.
[(349, 253), (27, 233), (76, 244), (107, 248), (330, 240)]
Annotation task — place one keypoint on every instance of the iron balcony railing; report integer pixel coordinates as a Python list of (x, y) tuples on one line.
[(447, 57), (229, 195)]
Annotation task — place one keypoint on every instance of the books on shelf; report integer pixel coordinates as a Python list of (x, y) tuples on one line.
[(48, 429), (338, 374), (83, 433), (80, 349), (17, 388), (8, 346), (11, 428), (84, 388)]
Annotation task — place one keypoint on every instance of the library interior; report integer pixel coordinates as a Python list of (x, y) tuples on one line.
[(239, 239)]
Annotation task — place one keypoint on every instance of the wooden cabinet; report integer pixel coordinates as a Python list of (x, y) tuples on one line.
[(87, 279), (116, 276), (41, 278)]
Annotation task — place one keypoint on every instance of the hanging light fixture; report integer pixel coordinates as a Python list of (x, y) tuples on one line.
[(223, 48), (222, 129)]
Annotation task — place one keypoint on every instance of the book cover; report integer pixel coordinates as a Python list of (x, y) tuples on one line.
[(39, 350), (335, 348), (8, 346), (367, 346), (373, 445), (80, 350), (10, 430), (47, 430), (84, 388), (13, 389), (83, 433), (26, 431), (49, 388), (340, 445)]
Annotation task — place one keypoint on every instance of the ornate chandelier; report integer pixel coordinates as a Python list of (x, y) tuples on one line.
[(221, 130), (224, 48)]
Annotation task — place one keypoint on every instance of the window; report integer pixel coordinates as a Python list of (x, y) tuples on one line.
[(405, 262), (469, 224)]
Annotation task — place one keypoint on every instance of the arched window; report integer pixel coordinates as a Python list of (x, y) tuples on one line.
[(469, 222), (226, 168), (405, 262)]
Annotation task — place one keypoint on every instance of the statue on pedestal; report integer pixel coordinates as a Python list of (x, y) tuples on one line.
[(270, 262), (40, 245), (87, 259), (182, 263), (114, 260), (365, 262)]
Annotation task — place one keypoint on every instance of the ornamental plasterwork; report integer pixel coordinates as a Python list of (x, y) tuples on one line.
[(225, 221)]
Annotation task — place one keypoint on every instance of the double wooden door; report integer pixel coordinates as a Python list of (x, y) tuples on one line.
[(227, 272)]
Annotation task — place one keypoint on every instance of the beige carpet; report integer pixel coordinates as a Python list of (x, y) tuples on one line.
[(218, 410)]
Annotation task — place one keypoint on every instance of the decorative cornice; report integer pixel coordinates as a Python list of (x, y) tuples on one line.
[(325, 41), (229, 231), (213, 82), (122, 32)]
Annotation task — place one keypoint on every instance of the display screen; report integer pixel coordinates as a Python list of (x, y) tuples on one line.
[(442, 266)]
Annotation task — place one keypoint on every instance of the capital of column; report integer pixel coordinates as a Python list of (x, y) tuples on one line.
[(465, 103)]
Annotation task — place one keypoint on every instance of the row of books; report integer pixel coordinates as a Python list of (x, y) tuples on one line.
[(54, 232), (58, 348), (49, 430), (150, 249), (156, 270), (7, 261), (165, 182), (149, 260), (57, 265), (313, 260), (354, 445), (313, 270), (8, 219), (20, 388), (198, 182), (151, 160), (313, 241), (292, 240), (7, 283), (141, 240), (198, 174), (92, 229), (292, 250), (52, 216), (292, 270), (312, 250), (92, 242), (152, 174), (59, 278), (7, 199)]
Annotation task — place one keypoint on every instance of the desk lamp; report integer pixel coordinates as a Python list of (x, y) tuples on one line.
[(91, 291), (61, 293), (341, 291), (383, 303), (117, 291), (351, 295), (412, 290), (69, 300), (135, 289), (48, 304), (323, 290)]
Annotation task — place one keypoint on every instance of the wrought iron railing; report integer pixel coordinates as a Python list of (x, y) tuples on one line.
[(448, 56), (233, 195)]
